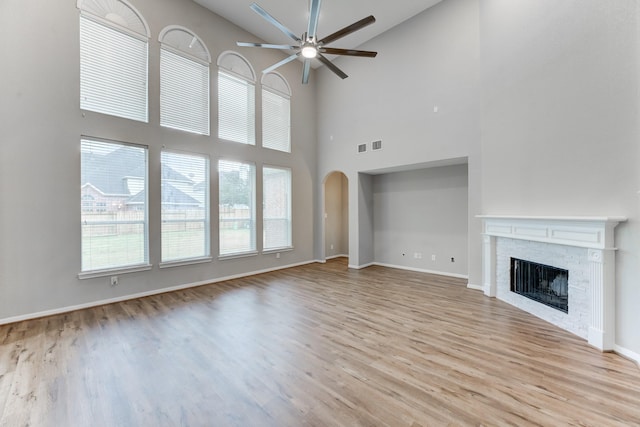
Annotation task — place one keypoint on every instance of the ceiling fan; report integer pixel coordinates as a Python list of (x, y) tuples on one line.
[(308, 45)]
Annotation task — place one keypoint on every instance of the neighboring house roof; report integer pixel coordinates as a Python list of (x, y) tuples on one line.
[(168, 173), (106, 172), (89, 185), (170, 196), (111, 174), (174, 196)]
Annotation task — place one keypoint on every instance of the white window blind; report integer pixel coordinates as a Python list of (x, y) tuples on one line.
[(185, 206), (276, 121), (184, 93), (113, 71), (113, 205), (237, 225), (276, 207), (236, 109)]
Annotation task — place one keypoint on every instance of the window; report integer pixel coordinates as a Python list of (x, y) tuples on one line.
[(88, 202), (184, 81), (237, 208), (114, 176), (276, 113), (236, 99), (276, 207), (185, 206), (113, 59)]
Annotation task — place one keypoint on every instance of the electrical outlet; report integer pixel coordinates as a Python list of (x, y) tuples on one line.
[(433, 257), (331, 246), (114, 281), (278, 255)]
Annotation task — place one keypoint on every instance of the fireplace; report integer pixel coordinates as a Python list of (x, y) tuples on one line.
[(583, 247), (542, 283)]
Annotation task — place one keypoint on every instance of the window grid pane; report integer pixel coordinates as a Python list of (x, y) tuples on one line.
[(276, 207), (185, 206), (113, 71), (184, 93), (276, 118), (113, 205), (237, 225), (236, 109)]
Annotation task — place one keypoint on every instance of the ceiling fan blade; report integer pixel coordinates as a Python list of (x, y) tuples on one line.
[(314, 14), (348, 30), (281, 63), (306, 69), (260, 11), (332, 67), (348, 52), (267, 45)]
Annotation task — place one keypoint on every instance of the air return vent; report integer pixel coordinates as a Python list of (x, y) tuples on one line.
[(376, 145), (362, 148)]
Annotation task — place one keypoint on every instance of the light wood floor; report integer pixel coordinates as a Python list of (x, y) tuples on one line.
[(317, 345)]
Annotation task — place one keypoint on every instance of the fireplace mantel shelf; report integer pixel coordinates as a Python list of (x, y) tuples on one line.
[(583, 231), (616, 219)]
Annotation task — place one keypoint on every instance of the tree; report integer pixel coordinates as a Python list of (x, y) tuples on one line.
[(234, 189)]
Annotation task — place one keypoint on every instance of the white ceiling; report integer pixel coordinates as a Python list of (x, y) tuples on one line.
[(334, 15)]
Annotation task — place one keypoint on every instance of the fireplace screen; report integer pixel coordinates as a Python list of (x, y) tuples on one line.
[(542, 283)]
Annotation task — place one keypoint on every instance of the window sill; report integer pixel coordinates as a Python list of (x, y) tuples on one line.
[(275, 250), (238, 255), (181, 262), (113, 271)]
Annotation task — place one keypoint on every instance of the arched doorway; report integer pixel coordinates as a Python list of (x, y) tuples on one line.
[(336, 216)]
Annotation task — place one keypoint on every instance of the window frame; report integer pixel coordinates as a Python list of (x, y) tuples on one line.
[(125, 268), (206, 257), (107, 95), (252, 250), (233, 67), (289, 219), (180, 50), (275, 85)]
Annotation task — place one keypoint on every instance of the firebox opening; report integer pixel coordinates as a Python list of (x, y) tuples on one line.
[(545, 284)]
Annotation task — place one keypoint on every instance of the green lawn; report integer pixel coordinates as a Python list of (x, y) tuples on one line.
[(100, 252)]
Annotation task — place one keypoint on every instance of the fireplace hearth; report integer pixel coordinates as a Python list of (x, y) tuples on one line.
[(542, 283)]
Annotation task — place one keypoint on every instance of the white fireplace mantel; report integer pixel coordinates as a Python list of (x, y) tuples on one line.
[(596, 234)]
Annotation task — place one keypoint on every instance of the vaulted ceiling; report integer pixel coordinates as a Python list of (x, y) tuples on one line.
[(334, 15)]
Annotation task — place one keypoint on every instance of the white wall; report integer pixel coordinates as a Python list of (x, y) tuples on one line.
[(560, 121), (430, 60), (362, 234), (422, 212), (40, 155), (344, 233)]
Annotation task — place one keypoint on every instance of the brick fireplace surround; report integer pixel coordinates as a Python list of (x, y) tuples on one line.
[(582, 245)]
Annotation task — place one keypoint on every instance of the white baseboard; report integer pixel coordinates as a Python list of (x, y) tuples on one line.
[(337, 256), (628, 354), (422, 270), (360, 267), (475, 287), (70, 308)]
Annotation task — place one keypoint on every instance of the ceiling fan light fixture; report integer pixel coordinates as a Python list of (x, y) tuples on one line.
[(309, 52), (308, 46)]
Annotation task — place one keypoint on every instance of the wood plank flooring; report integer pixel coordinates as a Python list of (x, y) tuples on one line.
[(318, 345)]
